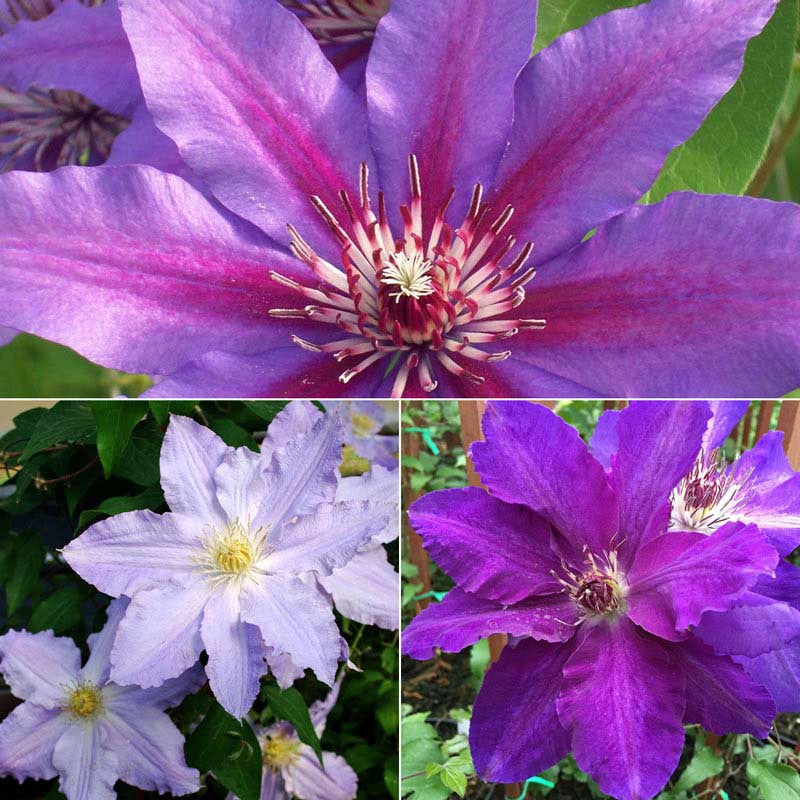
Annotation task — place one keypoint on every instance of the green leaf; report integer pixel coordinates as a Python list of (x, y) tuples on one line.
[(266, 409), (115, 420), (452, 777), (390, 778), (387, 713), (59, 612), (559, 16), (479, 658), (66, 421), (420, 748), (27, 558), (704, 764), (289, 705), (776, 781), (140, 459), (161, 409), (228, 748), (152, 498), (232, 434), (724, 154)]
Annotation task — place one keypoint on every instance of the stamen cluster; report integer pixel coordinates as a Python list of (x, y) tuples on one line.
[(85, 701), (232, 552), (422, 300), (599, 589), (280, 751), (340, 21)]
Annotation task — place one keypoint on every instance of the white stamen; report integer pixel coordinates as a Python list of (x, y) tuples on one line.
[(411, 275)]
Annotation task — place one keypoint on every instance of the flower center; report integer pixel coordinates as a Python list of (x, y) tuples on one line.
[(598, 589), (232, 552), (425, 301), (280, 751), (363, 424), (339, 21), (598, 594), (85, 701), (709, 496)]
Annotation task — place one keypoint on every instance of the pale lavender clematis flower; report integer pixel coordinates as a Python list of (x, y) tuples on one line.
[(579, 566), (366, 420), (208, 294), (78, 724), (234, 567)]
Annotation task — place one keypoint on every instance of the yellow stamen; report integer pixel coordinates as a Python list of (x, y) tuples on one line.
[(280, 751), (85, 701)]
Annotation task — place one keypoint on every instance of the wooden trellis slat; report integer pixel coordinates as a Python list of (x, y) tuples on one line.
[(789, 423)]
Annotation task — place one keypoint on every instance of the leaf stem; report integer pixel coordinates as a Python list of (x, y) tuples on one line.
[(775, 152)]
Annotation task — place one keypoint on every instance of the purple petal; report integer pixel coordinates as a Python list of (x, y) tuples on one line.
[(169, 694), (281, 666), (726, 416), (515, 731), (532, 457), (365, 589), (657, 445), (766, 463), (644, 308), (37, 666), (97, 668), (461, 619), (88, 766), (378, 485), (159, 638), (28, 736), (598, 111), (307, 780), (149, 747), (677, 577), (133, 551), (235, 653), (256, 109), (490, 548), (170, 274), (78, 48), (272, 787), (605, 441), (240, 486), (296, 418), (779, 672), (318, 711), (720, 695), (621, 688), (776, 511), (440, 85), (295, 618)]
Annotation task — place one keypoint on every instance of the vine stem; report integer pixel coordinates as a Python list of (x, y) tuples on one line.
[(43, 482)]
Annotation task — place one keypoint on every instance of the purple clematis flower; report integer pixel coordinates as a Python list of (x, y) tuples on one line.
[(759, 487), (579, 566), (496, 162), (78, 724), (234, 568), (366, 420), (291, 768)]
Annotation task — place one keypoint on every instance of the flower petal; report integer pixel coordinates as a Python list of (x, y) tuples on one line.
[(80, 48), (97, 668), (168, 694), (240, 486), (366, 589), (515, 731), (296, 418), (295, 618), (171, 275), (726, 416), (598, 111), (256, 109), (88, 766), (679, 576), (440, 85), (133, 551), (779, 672), (28, 736), (235, 653), (378, 485), (490, 548), (693, 297), (532, 457), (657, 445), (621, 688), (159, 637), (461, 619), (38, 666), (720, 695), (282, 668), (605, 440), (149, 747), (306, 780)]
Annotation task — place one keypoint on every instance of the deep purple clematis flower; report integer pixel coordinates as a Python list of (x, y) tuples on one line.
[(77, 724), (762, 630), (601, 598), (234, 568), (397, 230), (291, 768)]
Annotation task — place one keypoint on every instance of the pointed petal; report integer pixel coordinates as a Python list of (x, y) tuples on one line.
[(296, 418), (605, 440), (461, 619), (726, 416), (306, 780), (366, 589), (380, 485), (490, 548), (88, 766), (28, 736), (37, 666), (598, 111), (515, 731), (240, 486), (779, 672), (133, 551), (235, 653), (97, 668), (256, 109), (168, 694), (621, 688), (282, 668), (532, 457), (318, 711)]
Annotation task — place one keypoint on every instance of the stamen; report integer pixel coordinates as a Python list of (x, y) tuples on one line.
[(339, 21), (85, 701), (599, 590), (232, 552), (280, 751)]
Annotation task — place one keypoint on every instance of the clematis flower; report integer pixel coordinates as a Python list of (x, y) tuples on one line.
[(499, 165), (579, 566), (78, 724), (234, 567), (366, 420), (291, 768), (762, 630)]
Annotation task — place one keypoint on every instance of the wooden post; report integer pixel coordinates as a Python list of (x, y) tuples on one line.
[(764, 418), (416, 552), (789, 423)]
